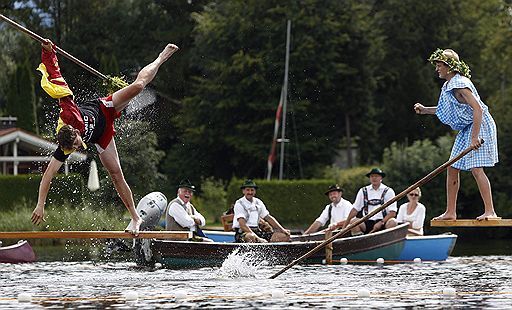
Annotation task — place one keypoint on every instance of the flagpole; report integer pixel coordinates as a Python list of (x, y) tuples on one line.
[(285, 99), (272, 156)]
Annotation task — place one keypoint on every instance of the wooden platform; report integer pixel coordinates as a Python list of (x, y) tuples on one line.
[(175, 235), (472, 223)]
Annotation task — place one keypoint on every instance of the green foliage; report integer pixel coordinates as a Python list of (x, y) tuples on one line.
[(113, 84), (406, 164), (62, 217), (351, 180), (211, 202), (23, 189), (20, 97), (333, 43)]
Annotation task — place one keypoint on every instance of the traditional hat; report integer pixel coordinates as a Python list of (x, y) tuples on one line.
[(376, 171), (333, 188), (249, 184), (451, 59), (185, 183)]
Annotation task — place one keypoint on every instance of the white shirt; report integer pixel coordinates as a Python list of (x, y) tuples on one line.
[(250, 211), (183, 214), (340, 212), (375, 194), (416, 218)]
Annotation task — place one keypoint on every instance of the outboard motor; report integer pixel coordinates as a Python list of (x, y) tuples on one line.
[(150, 208)]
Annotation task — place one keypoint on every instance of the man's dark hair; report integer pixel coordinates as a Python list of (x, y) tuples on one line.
[(66, 137)]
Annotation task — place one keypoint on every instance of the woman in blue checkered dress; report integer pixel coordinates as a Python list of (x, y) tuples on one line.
[(461, 108)]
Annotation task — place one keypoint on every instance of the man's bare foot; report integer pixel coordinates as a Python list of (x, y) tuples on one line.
[(490, 216), (445, 217), (168, 51), (133, 226)]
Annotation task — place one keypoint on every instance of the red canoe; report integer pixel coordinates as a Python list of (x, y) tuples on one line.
[(20, 252)]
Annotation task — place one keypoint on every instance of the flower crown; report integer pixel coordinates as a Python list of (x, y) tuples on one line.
[(454, 64)]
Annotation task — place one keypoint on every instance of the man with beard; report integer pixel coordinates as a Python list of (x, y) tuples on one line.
[(370, 198), (249, 210), (335, 213)]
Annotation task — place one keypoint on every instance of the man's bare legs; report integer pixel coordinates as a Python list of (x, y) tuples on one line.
[(122, 97), (452, 189), (110, 160), (484, 186)]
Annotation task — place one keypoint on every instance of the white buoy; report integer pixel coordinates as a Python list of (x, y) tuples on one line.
[(93, 183), (380, 260), (363, 293), (24, 297), (449, 291), (343, 261), (180, 294), (324, 262), (131, 295), (278, 294), (417, 260)]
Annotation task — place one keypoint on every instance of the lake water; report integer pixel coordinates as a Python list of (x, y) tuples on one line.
[(101, 283)]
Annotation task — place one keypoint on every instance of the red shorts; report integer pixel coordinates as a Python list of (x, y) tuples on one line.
[(110, 114)]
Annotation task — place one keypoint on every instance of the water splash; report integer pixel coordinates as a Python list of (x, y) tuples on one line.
[(145, 98), (241, 264)]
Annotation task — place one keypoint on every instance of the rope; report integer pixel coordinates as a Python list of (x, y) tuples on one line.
[(255, 296)]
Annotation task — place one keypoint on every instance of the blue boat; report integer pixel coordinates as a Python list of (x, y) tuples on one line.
[(426, 248)]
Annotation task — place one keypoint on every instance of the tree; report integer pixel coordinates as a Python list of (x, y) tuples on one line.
[(20, 97), (226, 125)]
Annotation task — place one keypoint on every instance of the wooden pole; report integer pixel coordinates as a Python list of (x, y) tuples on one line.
[(472, 223), (37, 37), (176, 235), (421, 182), (328, 249)]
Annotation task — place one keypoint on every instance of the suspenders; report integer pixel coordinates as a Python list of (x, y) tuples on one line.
[(373, 202)]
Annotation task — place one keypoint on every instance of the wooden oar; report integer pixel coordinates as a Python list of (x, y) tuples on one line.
[(427, 178), (176, 235), (59, 50)]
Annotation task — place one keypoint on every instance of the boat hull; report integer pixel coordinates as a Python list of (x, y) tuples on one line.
[(20, 252), (386, 244), (428, 248)]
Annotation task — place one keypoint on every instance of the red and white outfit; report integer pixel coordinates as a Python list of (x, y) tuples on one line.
[(93, 118)]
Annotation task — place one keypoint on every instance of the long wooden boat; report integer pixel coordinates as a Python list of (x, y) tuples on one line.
[(20, 252), (427, 248), (387, 244)]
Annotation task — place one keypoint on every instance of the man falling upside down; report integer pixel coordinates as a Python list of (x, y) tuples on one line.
[(91, 121)]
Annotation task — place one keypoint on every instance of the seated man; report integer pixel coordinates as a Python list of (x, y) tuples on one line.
[(248, 212), (370, 198), (181, 215), (334, 213)]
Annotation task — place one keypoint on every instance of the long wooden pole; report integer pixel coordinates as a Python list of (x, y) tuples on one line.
[(177, 235), (37, 37), (421, 182)]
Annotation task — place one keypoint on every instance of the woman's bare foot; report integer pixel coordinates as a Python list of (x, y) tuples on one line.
[(445, 217), (490, 216)]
